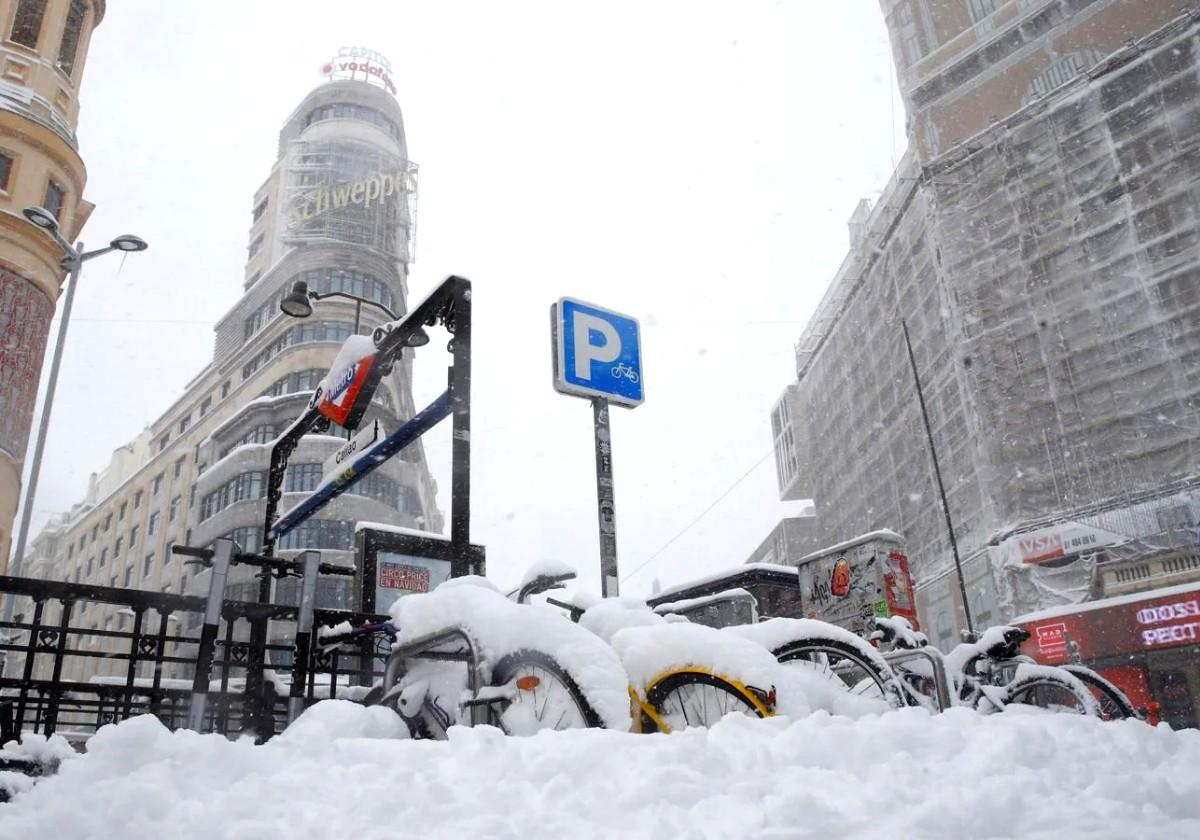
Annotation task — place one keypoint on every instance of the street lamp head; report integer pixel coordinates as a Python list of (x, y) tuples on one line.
[(296, 302), (418, 338), (128, 242), (41, 217)]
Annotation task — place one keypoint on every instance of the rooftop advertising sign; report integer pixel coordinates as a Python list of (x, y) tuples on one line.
[(360, 64)]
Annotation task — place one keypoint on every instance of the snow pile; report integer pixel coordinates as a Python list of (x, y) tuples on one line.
[(902, 774), (46, 754), (499, 627), (605, 617)]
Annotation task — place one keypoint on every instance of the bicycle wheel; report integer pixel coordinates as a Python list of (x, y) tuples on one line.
[(696, 698), (1050, 692), (1114, 705), (844, 662), (546, 696)]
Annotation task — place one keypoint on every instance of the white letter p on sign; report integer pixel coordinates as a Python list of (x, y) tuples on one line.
[(585, 351)]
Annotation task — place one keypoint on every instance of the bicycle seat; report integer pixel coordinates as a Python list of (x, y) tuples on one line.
[(1003, 642)]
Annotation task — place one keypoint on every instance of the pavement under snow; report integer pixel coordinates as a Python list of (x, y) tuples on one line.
[(347, 771)]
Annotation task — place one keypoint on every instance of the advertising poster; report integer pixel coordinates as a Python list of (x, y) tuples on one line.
[(397, 575)]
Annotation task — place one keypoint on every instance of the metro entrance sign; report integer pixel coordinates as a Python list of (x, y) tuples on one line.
[(598, 355)]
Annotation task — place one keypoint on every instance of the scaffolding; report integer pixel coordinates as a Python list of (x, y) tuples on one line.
[(1049, 271)]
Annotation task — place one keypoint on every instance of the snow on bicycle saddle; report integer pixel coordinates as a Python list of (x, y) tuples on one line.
[(1002, 642)]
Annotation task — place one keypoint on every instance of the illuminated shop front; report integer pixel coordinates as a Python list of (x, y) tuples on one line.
[(1147, 643)]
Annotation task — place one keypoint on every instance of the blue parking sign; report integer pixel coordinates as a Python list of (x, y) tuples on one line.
[(597, 353)]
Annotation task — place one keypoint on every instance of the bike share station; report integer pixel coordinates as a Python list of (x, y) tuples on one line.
[(393, 562)]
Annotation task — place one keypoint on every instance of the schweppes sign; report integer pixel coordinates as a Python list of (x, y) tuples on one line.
[(374, 189)]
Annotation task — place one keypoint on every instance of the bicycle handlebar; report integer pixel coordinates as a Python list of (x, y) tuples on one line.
[(366, 629)]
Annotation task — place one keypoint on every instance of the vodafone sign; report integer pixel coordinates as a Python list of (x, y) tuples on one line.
[(362, 64)]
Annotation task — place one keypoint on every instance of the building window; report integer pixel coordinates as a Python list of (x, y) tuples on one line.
[(27, 24), (128, 576), (174, 508), (346, 111), (152, 524), (1061, 72), (103, 558), (259, 209), (137, 500), (156, 485), (69, 47), (70, 550), (179, 466), (107, 522), (332, 534), (184, 422), (147, 564), (250, 485), (88, 572), (117, 547), (121, 510), (54, 199), (5, 170), (255, 246), (981, 9), (133, 535), (95, 531), (303, 478), (205, 405), (225, 390), (82, 541), (909, 35), (163, 441), (300, 380)]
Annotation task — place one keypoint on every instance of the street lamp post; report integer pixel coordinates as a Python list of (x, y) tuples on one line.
[(73, 260), (296, 303)]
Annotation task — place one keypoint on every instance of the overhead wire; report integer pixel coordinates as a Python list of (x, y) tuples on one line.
[(701, 515)]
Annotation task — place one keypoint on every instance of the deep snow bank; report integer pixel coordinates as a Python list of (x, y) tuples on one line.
[(902, 774)]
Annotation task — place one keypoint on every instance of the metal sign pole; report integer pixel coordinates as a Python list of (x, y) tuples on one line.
[(208, 635), (605, 506), (304, 624)]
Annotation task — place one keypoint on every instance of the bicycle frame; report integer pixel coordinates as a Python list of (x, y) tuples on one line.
[(941, 682), (425, 647)]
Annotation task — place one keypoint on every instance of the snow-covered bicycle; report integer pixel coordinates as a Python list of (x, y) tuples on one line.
[(988, 675), (466, 654)]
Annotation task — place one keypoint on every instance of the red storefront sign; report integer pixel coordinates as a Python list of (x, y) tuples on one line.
[(1132, 626)]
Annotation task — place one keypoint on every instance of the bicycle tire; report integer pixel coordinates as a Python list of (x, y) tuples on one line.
[(424, 726), (1114, 705), (1040, 689), (880, 675), (659, 696), (572, 705)]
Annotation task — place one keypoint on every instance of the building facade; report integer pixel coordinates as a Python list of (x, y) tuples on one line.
[(42, 57), (199, 472), (963, 63), (1048, 269)]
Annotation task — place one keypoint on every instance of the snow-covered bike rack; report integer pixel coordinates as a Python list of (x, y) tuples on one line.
[(941, 683)]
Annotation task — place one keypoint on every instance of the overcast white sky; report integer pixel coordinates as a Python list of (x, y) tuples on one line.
[(691, 163)]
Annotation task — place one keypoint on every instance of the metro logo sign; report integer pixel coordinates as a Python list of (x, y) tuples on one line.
[(350, 392), (1041, 548)]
